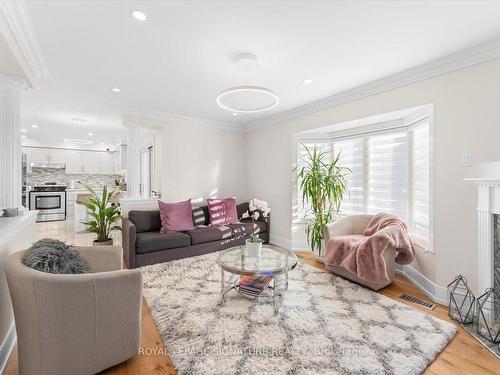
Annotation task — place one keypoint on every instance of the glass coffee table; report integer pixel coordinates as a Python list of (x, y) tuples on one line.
[(273, 263)]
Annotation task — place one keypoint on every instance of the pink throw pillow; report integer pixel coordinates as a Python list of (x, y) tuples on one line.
[(222, 211), (176, 217)]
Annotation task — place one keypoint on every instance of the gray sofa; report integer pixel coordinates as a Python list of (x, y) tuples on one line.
[(143, 243)]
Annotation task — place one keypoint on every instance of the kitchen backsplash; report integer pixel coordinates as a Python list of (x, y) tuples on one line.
[(40, 175)]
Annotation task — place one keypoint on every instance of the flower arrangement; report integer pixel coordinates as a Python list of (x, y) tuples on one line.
[(256, 209)]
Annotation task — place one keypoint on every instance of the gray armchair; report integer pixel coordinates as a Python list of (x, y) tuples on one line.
[(353, 225), (76, 324)]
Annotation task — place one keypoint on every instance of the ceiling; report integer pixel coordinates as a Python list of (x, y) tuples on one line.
[(180, 58)]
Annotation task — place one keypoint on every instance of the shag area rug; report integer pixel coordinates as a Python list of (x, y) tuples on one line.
[(326, 325)]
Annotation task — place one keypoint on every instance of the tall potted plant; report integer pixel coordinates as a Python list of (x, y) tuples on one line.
[(323, 185), (105, 214)]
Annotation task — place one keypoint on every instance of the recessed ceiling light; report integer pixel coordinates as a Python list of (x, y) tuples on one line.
[(139, 15), (91, 134), (235, 114), (23, 136), (24, 131), (78, 141), (307, 81), (34, 126), (115, 89), (78, 119)]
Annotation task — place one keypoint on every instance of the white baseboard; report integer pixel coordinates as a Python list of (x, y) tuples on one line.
[(436, 292), (6, 347), (283, 242), (301, 246)]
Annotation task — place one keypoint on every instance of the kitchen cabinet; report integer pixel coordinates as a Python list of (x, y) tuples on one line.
[(38, 155), (74, 161), (120, 156), (90, 162), (57, 156), (106, 161), (44, 155)]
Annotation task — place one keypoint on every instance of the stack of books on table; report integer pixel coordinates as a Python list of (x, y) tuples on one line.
[(252, 286)]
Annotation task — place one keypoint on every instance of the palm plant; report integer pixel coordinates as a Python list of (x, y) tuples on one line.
[(323, 185), (105, 214)]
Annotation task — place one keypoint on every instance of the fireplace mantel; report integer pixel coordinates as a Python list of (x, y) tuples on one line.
[(488, 205)]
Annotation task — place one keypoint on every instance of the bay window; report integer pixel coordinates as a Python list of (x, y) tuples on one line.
[(390, 172)]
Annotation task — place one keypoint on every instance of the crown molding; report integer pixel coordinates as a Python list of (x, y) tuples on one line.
[(158, 119), (21, 38), (447, 64)]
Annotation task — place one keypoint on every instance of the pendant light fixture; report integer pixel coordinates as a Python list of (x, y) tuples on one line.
[(250, 94)]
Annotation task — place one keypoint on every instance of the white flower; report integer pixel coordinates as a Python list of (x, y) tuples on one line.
[(266, 211), (245, 215), (256, 215)]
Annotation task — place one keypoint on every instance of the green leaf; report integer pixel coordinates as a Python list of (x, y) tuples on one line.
[(323, 186)]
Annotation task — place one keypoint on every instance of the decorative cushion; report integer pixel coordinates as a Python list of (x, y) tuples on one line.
[(145, 221), (199, 217), (176, 217), (54, 256), (222, 211), (148, 242)]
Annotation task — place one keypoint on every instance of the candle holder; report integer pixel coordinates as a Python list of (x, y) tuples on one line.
[(462, 301), (488, 318)]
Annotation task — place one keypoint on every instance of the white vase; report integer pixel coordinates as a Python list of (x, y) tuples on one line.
[(253, 248)]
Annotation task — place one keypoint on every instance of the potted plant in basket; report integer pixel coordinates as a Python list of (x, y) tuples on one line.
[(105, 214), (255, 210), (323, 185)]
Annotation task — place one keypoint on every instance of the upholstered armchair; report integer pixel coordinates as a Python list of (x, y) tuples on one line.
[(355, 225), (76, 324)]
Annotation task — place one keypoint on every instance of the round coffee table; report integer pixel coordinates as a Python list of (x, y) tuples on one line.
[(272, 262)]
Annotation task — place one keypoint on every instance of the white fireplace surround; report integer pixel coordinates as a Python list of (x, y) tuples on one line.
[(488, 184)]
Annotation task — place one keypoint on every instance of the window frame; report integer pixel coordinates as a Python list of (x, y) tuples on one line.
[(377, 128)]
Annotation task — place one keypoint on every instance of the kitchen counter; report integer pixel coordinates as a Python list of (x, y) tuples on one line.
[(16, 234), (12, 226)]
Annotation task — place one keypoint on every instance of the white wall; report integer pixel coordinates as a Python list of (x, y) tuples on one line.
[(199, 161), (467, 114)]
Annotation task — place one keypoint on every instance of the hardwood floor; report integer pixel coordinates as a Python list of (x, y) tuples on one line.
[(464, 355)]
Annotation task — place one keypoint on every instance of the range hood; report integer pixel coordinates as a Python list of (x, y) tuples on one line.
[(47, 165)]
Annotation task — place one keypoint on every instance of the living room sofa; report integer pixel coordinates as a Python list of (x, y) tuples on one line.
[(143, 244)]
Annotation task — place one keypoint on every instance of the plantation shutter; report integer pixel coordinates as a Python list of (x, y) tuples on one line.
[(387, 174), (420, 220)]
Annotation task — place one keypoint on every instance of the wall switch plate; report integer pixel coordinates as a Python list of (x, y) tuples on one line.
[(466, 160)]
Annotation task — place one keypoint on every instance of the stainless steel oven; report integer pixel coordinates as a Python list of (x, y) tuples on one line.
[(50, 201)]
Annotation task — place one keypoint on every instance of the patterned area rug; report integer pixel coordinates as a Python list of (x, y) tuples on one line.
[(326, 325)]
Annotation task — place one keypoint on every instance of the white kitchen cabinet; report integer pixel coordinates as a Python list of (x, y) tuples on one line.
[(74, 161), (106, 161), (120, 156), (91, 162), (39, 155), (57, 156)]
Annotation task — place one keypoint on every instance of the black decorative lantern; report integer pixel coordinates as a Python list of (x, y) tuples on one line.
[(462, 301), (488, 316)]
